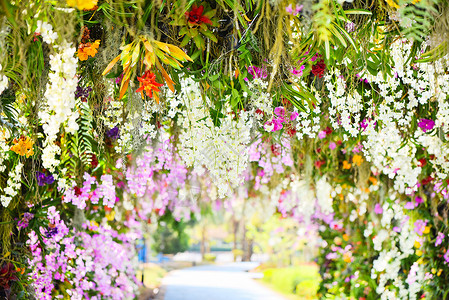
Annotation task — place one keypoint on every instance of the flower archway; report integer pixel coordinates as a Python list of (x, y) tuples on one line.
[(114, 114)]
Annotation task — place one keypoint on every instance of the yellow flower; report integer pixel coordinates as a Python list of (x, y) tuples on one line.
[(426, 230), (392, 3), (434, 270), (420, 261), (347, 257), (346, 165), (417, 244), (337, 241), (82, 4), (110, 216), (439, 272), (23, 146), (357, 159), (419, 252), (346, 237)]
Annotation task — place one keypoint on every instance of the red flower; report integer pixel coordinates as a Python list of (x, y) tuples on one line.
[(291, 132), (422, 162), (7, 274), (319, 163), (94, 162), (276, 149), (195, 16), (148, 84), (318, 69), (427, 180), (77, 191)]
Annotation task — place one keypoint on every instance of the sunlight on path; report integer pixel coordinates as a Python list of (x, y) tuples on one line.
[(222, 282)]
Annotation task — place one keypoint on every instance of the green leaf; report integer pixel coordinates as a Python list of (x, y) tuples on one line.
[(235, 98), (183, 31), (193, 32), (209, 14), (357, 12), (195, 55), (184, 42), (210, 35), (198, 42)]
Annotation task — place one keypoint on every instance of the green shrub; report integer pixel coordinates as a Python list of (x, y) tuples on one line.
[(308, 288), (300, 280), (209, 257)]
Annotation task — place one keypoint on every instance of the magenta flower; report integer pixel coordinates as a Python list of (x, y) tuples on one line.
[(440, 238), (409, 205), (418, 200), (446, 256), (420, 226), (378, 209), (332, 145), (279, 111), (278, 124), (289, 9), (322, 134), (298, 72), (294, 115), (426, 124), (25, 220), (257, 72)]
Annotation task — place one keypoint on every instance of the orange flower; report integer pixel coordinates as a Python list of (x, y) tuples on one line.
[(23, 146), (357, 159), (148, 84), (346, 165), (88, 49), (347, 257)]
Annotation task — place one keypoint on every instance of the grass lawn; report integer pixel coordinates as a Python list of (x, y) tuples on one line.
[(152, 275), (297, 282)]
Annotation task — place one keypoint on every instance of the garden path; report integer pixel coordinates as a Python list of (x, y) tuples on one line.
[(217, 282)]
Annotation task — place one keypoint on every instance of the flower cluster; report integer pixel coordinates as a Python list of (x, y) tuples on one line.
[(59, 107), (13, 185), (84, 262), (104, 190), (23, 146), (222, 149)]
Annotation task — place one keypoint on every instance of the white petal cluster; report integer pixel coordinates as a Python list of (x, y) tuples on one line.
[(393, 248), (389, 114), (4, 31), (435, 146), (306, 199), (59, 105), (222, 149), (4, 148), (260, 99), (3, 81), (13, 185), (324, 195), (46, 31)]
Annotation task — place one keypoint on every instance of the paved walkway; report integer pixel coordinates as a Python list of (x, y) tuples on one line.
[(220, 282)]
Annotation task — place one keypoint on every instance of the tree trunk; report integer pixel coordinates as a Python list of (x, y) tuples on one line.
[(203, 242)]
